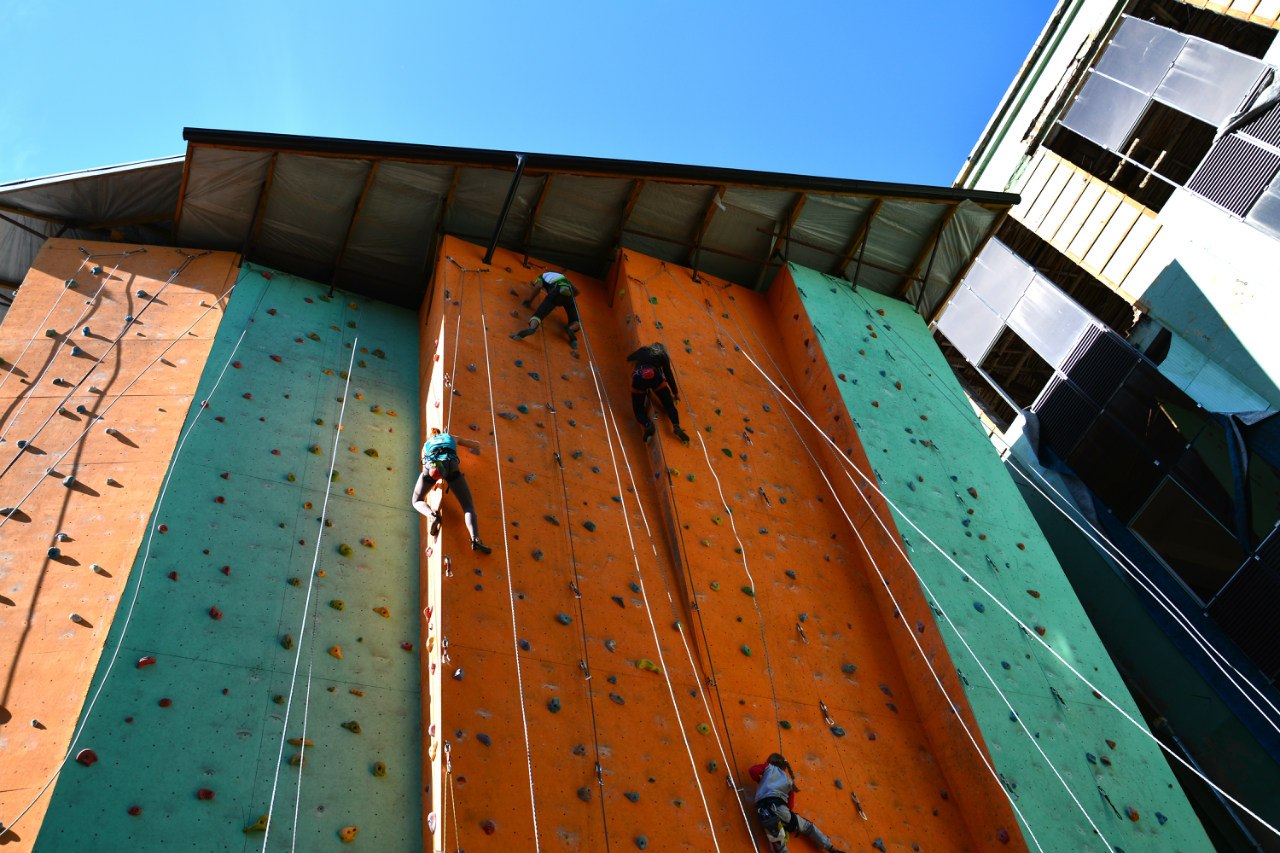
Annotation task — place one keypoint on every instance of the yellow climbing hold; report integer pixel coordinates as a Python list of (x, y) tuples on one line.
[(354, 692), (703, 728), (648, 665), (379, 769), (259, 825), (336, 651), (348, 834), (300, 741), (367, 542), (345, 550), (338, 604)]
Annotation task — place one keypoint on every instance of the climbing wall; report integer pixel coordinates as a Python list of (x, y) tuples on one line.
[(926, 450), (99, 358), (275, 582), (654, 619)]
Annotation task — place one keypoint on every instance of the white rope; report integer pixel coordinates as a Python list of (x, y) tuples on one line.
[(506, 553), (597, 380), (1127, 565), (35, 335), (702, 693), (1035, 636), (306, 605), (924, 657), (141, 572), (457, 339)]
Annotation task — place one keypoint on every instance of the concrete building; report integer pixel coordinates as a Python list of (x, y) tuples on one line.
[(1118, 334)]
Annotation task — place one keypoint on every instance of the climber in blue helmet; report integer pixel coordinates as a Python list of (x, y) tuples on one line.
[(440, 471), (558, 293)]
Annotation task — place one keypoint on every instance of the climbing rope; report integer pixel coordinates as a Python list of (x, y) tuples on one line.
[(142, 566), (577, 589), (602, 396), (70, 391), (506, 553), (702, 694), (453, 805), (99, 415), (451, 378), (302, 626), (733, 526), (1100, 540), (847, 465), (923, 656)]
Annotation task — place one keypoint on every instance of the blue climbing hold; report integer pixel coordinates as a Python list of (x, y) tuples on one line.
[(564, 618), (980, 607), (484, 739)]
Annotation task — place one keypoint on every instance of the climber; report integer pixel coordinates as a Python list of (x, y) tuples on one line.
[(558, 293), (775, 799), (440, 471), (652, 372)]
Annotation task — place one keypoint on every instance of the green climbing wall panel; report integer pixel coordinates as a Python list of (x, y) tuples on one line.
[(935, 462), (187, 746)]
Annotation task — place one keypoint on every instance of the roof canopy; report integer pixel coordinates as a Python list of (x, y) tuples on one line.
[(367, 216)]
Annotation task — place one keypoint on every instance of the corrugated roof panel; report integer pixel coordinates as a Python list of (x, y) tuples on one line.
[(672, 211), (580, 214), (221, 197)]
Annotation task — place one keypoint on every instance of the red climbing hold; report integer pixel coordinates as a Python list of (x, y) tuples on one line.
[(271, 311), (226, 570), (248, 395), (1040, 629), (276, 358), (275, 452), (1002, 834), (220, 419), (147, 661), (164, 528), (1033, 593), (267, 276), (135, 810), (173, 576), (215, 613), (165, 702), (236, 365), (489, 827), (219, 499), (87, 757), (225, 475), (408, 647), (204, 794)]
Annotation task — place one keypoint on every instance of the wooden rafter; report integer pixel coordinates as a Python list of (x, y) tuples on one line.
[(926, 252), (713, 204), (533, 214), (637, 187), (255, 225), (858, 237), (355, 217)]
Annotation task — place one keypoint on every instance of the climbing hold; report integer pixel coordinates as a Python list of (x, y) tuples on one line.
[(785, 724), (345, 550), (484, 739), (408, 647), (616, 699), (980, 607), (648, 665), (584, 794), (352, 726), (589, 525), (300, 741), (259, 825), (971, 490), (87, 757), (632, 796), (749, 591), (338, 604), (641, 841), (135, 810), (1091, 758), (348, 834), (791, 573), (1040, 629), (287, 641), (564, 618), (383, 612), (379, 769), (336, 652), (1111, 744), (746, 650), (848, 668), (715, 585), (55, 553), (204, 794), (838, 731), (1161, 819), (1033, 593), (879, 845), (165, 703), (553, 705), (610, 645), (294, 581), (1132, 813), (215, 613)]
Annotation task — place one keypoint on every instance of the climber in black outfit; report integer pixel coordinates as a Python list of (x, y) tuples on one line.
[(652, 372), (558, 292)]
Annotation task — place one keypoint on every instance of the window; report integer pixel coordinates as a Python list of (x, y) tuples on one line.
[(1201, 551), (1017, 368)]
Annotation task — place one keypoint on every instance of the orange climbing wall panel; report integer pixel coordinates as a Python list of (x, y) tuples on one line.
[(654, 619), (47, 659)]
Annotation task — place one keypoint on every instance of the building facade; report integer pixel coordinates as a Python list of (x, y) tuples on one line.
[(1117, 336)]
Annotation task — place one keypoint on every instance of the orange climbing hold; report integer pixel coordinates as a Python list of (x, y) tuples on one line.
[(335, 651), (348, 834)]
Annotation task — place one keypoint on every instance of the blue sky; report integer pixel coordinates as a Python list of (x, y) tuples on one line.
[(893, 90)]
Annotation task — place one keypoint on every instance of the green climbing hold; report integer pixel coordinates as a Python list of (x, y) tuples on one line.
[(379, 769), (715, 586), (715, 519), (372, 453), (632, 796), (653, 300), (564, 618), (791, 573), (746, 650), (689, 478), (648, 665), (345, 550), (553, 705), (589, 525), (848, 668), (291, 477), (314, 450), (727, 452), (522, 409), (703, 729), (338, 604), (749, 591), (712, 767), (319, 421), (635, 587), (333, 477), (786, 724)]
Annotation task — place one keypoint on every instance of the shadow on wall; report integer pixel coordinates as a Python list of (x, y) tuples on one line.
[(1178, 303)]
